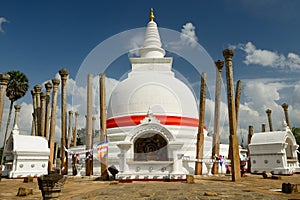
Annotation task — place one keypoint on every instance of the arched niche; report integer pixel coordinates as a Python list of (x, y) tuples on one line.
[(150, 146)]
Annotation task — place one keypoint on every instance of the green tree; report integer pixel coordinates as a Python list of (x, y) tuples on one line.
[(17, 87)]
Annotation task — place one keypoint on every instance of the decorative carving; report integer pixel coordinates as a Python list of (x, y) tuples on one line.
[(150, 118)]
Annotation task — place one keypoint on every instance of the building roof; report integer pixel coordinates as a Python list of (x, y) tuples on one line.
[(26, 143), (273, 137)]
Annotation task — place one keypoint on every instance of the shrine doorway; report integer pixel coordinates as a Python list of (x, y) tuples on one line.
[(150, 147)]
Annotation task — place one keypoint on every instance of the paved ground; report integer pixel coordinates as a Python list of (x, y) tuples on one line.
[(251, 187)]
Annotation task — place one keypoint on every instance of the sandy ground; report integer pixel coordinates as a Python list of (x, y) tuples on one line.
[(250, 187)]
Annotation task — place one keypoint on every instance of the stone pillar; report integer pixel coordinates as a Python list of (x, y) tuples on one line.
[(33, 126), (70, 128), (48, 87), (55, 83), (216, 136), (285, 107), (89, 125), (237, 100), (63, 75), (250, 134), (103, 136), (269, 112), (75, 130), (237, 107), (263, 128), (17, 111), (38, 89), (42, 110), (200, 135), (34, 114), (233, 139), (4, 78)]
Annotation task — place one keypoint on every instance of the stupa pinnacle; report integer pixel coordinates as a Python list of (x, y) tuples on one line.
[(152, 44)]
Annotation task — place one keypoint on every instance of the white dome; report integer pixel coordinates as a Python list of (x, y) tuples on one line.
[(163, 93)]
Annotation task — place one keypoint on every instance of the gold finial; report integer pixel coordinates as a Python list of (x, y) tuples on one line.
[(151, 14)]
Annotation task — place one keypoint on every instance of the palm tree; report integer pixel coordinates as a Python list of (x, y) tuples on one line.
[(17, 87)]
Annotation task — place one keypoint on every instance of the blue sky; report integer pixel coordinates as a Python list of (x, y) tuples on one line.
[(41, 37)]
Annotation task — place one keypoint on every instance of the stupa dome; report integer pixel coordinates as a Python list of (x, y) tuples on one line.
[(163, 93)]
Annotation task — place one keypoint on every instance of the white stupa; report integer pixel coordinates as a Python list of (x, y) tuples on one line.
[(152, 118)]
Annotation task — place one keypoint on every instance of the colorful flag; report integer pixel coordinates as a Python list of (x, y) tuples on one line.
[(102, 150)]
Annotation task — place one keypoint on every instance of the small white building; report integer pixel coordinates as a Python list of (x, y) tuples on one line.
[(25, 155), (274, 152)]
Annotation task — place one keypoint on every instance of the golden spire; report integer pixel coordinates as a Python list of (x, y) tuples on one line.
[(151, 14)]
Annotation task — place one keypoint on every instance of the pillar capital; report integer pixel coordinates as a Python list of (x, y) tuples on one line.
[(219, 64), (93, 118), (285, 106), (269, 111), (17, 108), (63, 73), (55, 83), (228, 54), (76, 114), (71, 112), (48, 86), (4, 78), (38, 88)]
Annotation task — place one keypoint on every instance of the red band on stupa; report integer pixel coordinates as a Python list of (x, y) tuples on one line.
[(134, 120)]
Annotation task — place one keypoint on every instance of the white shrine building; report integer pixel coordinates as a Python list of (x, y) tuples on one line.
[(25, 155), (274, 152), (152, 118)]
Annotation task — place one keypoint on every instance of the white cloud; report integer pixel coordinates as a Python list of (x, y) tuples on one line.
[(2, 20), (268, 58), (187, 38), (188, 35), (136, 42)]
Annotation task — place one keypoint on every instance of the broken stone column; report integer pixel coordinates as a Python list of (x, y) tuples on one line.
[(48, 87), (55, 83), (4, 78), (216, 137), (238, 93), (17, 111), (63, 75), (75, 129), (285, 107), (233, 139), (263, 128), (269, 112), (38, 89), (200, 135), (70, 128), (42, 116)]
